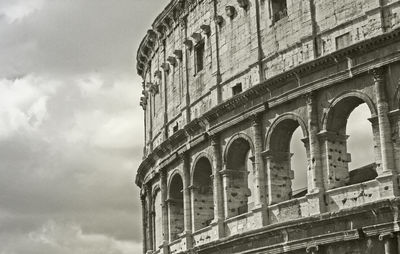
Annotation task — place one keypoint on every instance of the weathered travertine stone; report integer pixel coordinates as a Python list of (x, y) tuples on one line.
[(225, 85)]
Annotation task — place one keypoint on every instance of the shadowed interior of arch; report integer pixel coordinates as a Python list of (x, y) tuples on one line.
[(288, 173), (175, 208), (352, 142), (238, 192), (202, 194)]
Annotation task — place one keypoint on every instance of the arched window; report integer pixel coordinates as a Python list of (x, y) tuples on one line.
[(157, 220), (202, 194), (175, 207), (288, 176), (337, 139), (239, 172)]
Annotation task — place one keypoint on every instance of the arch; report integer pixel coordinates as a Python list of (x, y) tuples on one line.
[(278, 141), (175, 206), (196, 160), (277, 122), (239, 170), (234, 138), (171, 177), (353, 98), (202, 193), (334, 124)]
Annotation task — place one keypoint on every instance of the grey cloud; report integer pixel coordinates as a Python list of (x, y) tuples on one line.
[(69, 37), (67, 68)]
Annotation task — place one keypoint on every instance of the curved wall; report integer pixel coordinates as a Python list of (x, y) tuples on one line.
[(226, 83)]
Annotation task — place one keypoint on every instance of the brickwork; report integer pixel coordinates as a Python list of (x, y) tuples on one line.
[(225, 85)]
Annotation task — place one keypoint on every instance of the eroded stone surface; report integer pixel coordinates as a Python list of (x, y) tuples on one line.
[(225, 85)]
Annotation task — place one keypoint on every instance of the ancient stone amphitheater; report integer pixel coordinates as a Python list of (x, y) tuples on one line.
[(225, 85)]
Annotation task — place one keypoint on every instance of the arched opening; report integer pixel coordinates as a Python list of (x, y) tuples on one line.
[(350, 143), (157, 220), (238, 179), (202, 194), (299, 164), (175, 208), (288, 174)]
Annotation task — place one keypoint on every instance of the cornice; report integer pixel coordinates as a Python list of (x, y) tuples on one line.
[(164, 22), (274, 235)]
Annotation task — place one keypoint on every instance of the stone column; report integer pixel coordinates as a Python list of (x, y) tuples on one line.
[(313, 249), (144, 223), (385, 131), (217, 54), (149, 213), (185, 59), (225, 186), (187, 207), (259, 189), (315, 177), (389, 243), (164, 195), (217, 186)]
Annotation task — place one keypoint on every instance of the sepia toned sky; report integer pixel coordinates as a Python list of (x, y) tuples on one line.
[(70, 125), (71, 132)]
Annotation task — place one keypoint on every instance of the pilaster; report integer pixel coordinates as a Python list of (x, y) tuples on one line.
[(144, 223), (385, 131), (260, 198), (315, 183), (164, 194), (187, 207), (217, 186)]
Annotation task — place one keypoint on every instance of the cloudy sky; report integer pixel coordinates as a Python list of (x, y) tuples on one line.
[(71, 131), (70, 125)]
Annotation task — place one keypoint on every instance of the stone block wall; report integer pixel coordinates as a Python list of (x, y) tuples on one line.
[(306, 69)]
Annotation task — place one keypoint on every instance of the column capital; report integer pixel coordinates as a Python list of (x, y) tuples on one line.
[(386, 236), (312, 249), (215, 139), (163, 173), (255, 119), (309, 97), (279, 156), (184, 156), (378, 73), (143, 199), (183, 21)]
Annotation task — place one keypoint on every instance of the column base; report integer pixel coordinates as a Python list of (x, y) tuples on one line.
[(317, 196), (165, 248), (219, 225), (262, 210)]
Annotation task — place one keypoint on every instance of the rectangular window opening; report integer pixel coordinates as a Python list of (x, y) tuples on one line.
[(176, 127), (279, 9), (237, 89), (199, 57)]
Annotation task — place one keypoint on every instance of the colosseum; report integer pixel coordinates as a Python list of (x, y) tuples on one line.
[(226, 83)]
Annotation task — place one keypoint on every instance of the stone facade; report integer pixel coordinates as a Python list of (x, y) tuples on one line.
[(225, 85)]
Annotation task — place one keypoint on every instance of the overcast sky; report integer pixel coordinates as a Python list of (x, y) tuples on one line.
[(71, 132)]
